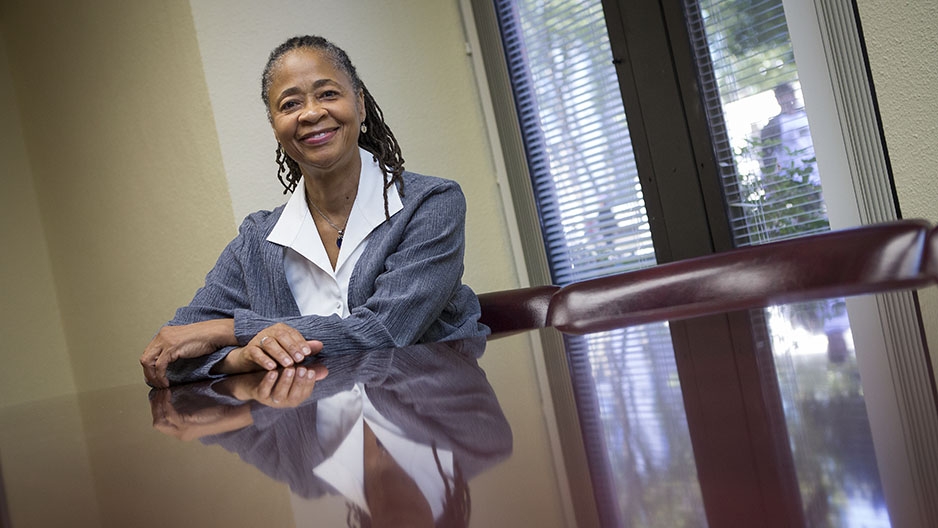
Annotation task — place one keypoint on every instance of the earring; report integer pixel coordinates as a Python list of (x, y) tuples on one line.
[(364, 128)]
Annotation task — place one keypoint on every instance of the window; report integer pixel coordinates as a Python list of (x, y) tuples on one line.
[(681, 176), (773, 190), (594, 222)]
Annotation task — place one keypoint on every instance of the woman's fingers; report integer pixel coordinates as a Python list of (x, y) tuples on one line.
[(174, 342), (160, 405), (302, 387), (294, 386), (256, 355), (154, 371), (288, 387), (282, 388), (276, 345), (272, 348), (265, 387), (285, 345), (290, 340), (152, 375)]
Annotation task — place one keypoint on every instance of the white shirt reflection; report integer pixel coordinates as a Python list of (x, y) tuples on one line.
[(340, 422)]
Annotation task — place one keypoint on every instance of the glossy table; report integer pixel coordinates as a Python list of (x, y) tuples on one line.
[(223, 453), (467, 429)]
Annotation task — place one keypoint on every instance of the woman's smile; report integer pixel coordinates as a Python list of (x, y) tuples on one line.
[(318, 138)]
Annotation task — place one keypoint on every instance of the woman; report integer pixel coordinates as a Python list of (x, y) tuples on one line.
[(363, 256)]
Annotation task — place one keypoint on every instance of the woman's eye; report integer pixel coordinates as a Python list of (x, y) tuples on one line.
[(329, 94), (288, 105)]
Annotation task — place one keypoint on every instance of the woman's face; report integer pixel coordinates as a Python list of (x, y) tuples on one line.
[(315, 112)]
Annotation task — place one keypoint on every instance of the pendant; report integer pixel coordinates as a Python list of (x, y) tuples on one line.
[(338, 242)]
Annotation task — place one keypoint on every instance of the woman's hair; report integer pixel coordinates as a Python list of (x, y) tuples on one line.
[(378, 139), (457, 503)]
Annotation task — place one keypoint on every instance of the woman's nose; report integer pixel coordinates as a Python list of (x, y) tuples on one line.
[(312, 112)]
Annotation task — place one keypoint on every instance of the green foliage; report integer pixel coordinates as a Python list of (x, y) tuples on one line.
[(779, 203), (754, 26), (750, 44)]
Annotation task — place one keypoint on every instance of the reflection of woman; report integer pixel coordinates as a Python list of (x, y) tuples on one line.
[(398, 433), (364, 255)]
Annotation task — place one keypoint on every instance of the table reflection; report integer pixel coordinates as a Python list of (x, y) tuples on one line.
[(824, 411), (788, 408), (396, 433)]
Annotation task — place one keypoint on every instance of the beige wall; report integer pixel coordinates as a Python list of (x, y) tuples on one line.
[(125, 163), (35, 359), (902, 42)]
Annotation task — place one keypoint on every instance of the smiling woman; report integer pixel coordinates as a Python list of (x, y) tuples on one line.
[(327, 270)]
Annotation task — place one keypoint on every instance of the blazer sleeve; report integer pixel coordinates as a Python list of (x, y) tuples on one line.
[(421, 264)]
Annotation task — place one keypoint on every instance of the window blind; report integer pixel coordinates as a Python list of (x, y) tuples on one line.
[(593, 221), (577, 139), (757, 118)]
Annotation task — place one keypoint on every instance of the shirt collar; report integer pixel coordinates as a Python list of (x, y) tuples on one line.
[(295, 227)]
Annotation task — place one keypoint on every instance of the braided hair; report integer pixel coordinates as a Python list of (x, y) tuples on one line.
[(457, 503), (377, 137)]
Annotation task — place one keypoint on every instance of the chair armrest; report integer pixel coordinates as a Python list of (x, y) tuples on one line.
[(862, 260), (511, 311)]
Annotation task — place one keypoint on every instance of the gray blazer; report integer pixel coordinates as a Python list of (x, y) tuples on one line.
[(405, 289), (435, 393)]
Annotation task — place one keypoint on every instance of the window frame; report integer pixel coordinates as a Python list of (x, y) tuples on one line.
[(686, 208)]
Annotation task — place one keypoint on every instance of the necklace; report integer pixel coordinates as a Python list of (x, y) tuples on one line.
[(340, 231)]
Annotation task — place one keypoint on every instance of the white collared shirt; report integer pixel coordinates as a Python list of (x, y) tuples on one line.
[(318, 288), (340, 424)]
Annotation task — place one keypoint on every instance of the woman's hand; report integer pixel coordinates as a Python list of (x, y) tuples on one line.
[(202, 422), (287, 388), (275, 345), (185, 341)]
